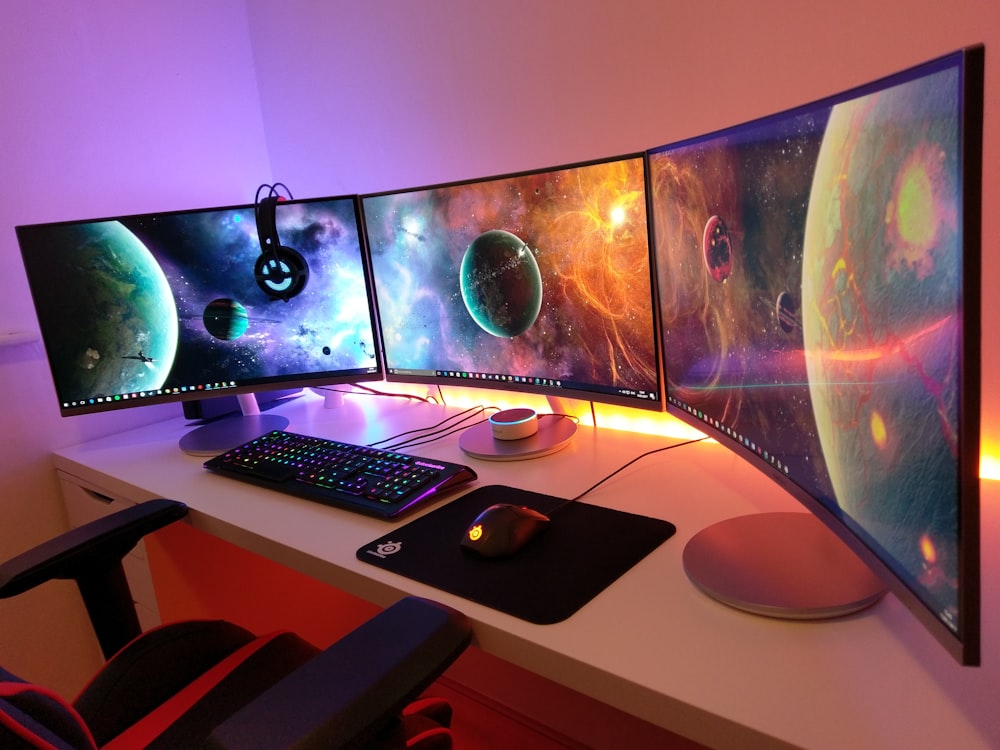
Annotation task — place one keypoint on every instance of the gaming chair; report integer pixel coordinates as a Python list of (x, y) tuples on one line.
[(213, 684)]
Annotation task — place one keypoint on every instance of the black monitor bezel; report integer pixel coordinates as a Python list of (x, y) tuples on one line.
[(266, 384), (497, 381), (963, 644)]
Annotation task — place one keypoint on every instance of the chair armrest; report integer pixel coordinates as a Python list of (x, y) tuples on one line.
[(94, 545), (357, 687)]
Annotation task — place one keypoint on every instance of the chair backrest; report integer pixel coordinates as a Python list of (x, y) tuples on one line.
[(34, 717)]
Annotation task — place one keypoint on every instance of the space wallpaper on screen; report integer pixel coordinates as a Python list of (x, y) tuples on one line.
[(542, 275), (809, 268), (170, 301)]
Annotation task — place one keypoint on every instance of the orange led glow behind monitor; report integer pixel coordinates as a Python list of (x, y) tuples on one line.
[(818, 276), (536, 282)]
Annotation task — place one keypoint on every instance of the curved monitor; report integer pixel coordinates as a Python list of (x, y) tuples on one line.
[(151, 308), (537, 282), (818, 277)]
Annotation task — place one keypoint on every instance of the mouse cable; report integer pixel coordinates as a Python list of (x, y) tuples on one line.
[(458, 423), (622, 468)]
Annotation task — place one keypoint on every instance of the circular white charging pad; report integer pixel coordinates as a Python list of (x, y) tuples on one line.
[(554, 433)]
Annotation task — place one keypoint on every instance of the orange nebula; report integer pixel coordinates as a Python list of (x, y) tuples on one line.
[(604, 265)]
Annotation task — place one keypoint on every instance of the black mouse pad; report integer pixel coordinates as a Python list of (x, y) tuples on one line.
[(584, 550)]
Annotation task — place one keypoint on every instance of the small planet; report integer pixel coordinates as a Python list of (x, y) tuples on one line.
[(501, 283), (226, 319), (787, 310)]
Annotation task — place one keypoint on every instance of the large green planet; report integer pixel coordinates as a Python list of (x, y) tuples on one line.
[(118, 316), (501, 283)]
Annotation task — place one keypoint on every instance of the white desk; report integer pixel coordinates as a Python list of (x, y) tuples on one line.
[(650, 644)]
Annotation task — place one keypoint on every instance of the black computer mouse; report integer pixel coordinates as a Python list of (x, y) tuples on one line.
[(503, 529)]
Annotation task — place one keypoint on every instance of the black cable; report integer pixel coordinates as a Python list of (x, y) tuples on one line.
[(366, 391), (430, 434), (434, 430), (622, 468), (438, 434), (414, 443), (443, 422), (563, 416)]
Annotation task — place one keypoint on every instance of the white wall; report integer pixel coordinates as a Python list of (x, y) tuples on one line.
[(109, 106)]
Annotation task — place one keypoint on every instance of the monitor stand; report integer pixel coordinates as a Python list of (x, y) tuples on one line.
[(230, 431), (784, 565)]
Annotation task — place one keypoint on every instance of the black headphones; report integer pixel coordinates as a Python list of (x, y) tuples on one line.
[(280, 271)]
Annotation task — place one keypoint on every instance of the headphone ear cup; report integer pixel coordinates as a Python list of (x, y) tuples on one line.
[(281, 272)]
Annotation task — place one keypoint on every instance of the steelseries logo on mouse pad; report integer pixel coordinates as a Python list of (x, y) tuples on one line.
[(385, 549)]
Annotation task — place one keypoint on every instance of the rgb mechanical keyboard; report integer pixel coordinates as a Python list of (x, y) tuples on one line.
[(356, 477)]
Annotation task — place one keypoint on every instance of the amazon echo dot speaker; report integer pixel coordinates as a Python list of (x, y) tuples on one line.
[(514, 424)]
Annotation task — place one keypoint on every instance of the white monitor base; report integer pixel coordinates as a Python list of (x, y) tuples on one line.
[(217, 437), (785, 565)]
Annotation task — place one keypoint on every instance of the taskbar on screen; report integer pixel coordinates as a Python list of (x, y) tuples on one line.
[(508, 381), (171, 391)]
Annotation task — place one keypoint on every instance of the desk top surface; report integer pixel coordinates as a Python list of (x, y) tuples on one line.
[(650, 644)]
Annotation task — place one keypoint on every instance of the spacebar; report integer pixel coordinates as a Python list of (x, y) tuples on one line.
[(269, 471)]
